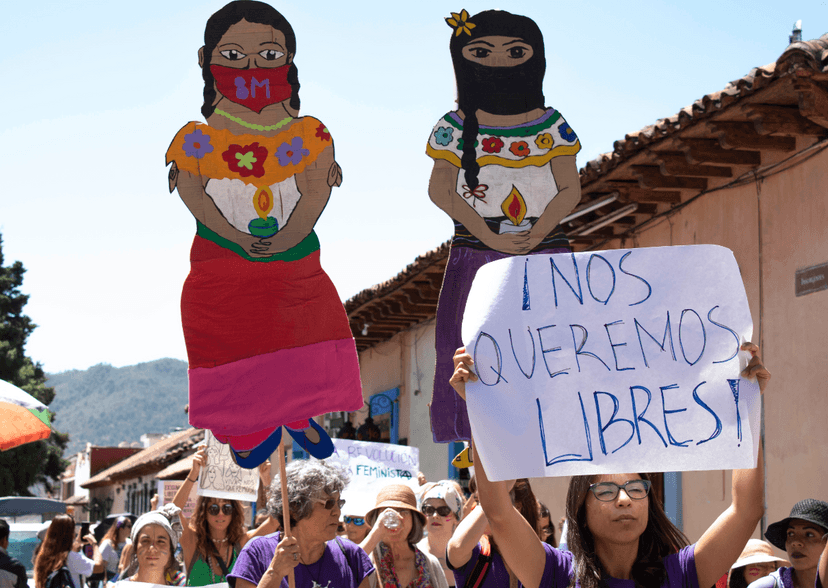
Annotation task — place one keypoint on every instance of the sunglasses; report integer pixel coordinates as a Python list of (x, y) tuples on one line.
[(429, 510), (608, 491), (331, 502), (226, 508), (358, 521)]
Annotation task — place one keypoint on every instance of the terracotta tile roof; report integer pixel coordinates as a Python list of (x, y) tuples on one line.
[(77, 499), (177, 470), (805, 58), (772, 113), (150, 460)]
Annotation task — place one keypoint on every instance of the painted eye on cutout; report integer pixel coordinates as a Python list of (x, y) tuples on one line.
[(232, 54), (480, 53), (517, 52), (271, 54)]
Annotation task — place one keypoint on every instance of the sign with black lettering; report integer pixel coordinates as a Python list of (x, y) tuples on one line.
[(611, 362)]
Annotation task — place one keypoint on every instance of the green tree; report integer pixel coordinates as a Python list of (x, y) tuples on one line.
[(42, 461)]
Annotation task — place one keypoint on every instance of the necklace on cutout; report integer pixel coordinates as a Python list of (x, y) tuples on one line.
[(255, 127)]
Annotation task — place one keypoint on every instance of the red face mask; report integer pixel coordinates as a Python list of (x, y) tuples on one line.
[(253, 88)]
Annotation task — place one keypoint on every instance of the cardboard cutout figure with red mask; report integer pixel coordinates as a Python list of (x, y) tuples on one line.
[(268, 340)]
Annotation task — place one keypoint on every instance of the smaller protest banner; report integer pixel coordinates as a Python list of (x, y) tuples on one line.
[(611, 362), (372, 466), (222, 478), (167, 490)]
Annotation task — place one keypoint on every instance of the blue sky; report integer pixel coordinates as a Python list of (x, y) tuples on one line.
[(93, 94)]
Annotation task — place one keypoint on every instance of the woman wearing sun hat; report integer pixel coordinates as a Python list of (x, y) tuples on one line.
[(392, 542), (756, 561), (802, 536)]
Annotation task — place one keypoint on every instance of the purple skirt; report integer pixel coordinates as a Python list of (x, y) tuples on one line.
[(449, 421)]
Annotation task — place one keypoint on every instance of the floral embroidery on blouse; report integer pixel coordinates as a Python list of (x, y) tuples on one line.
[(197, 144)]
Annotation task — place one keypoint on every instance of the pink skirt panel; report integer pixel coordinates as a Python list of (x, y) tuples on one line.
[(277, 388)]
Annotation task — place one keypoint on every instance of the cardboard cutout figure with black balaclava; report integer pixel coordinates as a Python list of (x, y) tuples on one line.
[(504, 171), (267, 337)]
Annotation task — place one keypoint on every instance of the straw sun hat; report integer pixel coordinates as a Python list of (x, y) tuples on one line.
[(395, 496), (757, 551)]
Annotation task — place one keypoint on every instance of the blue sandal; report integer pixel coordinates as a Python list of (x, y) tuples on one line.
[(321, 449), (257, 456)]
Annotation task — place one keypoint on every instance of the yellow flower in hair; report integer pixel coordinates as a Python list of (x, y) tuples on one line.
[(460, 23)]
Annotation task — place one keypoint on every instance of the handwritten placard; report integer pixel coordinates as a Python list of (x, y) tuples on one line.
[(611, 362), (372, 466), (167, 490), (222, 478)]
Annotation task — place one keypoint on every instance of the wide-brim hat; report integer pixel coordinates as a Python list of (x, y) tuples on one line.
[(395, 496), (757, 551), (811, 510)]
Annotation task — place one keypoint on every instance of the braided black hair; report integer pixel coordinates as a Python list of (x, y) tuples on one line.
[(497, 90)]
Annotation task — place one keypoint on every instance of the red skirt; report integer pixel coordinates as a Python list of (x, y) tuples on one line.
[(268, 342)]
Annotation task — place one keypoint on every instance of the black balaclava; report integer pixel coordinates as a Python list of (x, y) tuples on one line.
[(496, 90)]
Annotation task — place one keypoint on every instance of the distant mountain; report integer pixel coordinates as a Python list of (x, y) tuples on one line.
[(106, 405)]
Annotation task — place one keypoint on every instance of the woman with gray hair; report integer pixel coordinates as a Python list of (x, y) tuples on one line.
[(397, 528), (318, 557)]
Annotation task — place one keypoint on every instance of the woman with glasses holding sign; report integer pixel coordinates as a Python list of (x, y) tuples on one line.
[(318, 558), (215, 535), (619, 535)]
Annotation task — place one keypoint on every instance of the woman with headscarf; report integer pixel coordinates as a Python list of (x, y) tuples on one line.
[(316, 555), (442, 506), (803, 535), (473, 553), (504, 171), (60, 548), (392, 542), (155, 537)]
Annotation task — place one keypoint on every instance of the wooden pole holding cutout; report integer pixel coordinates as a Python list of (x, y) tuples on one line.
[(285, 503)]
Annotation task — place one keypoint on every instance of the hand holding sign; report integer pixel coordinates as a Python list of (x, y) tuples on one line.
[(610, 361)]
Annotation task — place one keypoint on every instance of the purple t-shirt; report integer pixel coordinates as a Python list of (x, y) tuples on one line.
[(496, 576), (681, 570), (334, 569)]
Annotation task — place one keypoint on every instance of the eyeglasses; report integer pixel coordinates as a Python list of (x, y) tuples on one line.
[(608, 491), (331, 502), (358, 521), (226, 508), (429, 510)]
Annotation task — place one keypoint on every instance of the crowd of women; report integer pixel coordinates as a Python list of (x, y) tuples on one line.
[(618, 536)]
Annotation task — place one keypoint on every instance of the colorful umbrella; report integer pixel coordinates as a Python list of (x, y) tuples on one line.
[(23, 418)]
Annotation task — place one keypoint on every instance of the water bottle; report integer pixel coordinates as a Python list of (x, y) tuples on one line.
[(390, 519)]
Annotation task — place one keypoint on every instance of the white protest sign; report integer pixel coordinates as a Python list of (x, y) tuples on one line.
[(222, 478), (611, 362), (372, 466)]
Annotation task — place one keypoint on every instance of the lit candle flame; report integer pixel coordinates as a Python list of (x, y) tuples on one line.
[(514, 207), (263, 201)]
